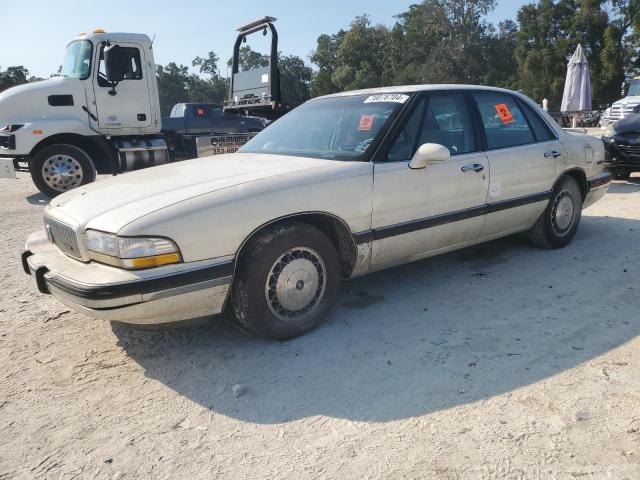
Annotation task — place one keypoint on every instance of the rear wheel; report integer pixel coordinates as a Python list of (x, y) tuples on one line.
[(59, 168), (559, 222), (286, 281)]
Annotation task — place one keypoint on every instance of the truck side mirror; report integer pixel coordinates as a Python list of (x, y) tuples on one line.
[(115, 61)]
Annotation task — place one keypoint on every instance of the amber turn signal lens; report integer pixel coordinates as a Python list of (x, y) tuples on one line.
[(155, 261)]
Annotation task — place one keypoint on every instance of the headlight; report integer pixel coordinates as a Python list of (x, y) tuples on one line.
[(131, 252), (11, 128), (610, 131)]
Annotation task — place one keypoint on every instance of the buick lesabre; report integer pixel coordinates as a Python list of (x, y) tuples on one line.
[(343, 185)]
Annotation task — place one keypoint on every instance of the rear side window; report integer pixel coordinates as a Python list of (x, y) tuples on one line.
[(440, 118), (541, 130), (504, 122)]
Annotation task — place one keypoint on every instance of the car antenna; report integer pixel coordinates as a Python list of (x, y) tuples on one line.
[(152, 40)]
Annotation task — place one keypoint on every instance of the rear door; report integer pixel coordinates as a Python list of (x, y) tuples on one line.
[(420, 211), (525, 158)]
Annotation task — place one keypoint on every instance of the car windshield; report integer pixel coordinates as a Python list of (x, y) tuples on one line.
[(77, 60), (338, 128), (634, 88)]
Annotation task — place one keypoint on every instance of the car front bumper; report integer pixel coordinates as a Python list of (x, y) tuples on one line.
[(621, 152), (160, 295), (7, 143)]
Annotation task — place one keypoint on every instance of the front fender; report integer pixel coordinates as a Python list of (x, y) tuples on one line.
[(217, 224), (33, 133)]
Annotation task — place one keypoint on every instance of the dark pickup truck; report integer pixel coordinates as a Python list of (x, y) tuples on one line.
[(189, 121)]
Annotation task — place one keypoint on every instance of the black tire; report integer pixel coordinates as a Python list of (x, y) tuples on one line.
[(256, 304), (77, 161), (622, 174), (556, 227)]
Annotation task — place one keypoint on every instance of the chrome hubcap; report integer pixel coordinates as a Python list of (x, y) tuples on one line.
[(62, 173), (295, 284), (563, 213)]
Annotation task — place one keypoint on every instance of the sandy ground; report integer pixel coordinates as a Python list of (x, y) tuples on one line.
[(496, 362)]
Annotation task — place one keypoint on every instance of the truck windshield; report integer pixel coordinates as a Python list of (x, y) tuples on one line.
[(338, 128), (77, 60), (634, 88)]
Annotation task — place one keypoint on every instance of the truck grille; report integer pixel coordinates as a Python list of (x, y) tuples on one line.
[(622, 110), (63, 236)]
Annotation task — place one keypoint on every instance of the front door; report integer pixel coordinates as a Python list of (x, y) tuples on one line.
[(416, 212), (128, 104)]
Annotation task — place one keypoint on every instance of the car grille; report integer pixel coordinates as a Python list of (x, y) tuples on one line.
[(630, 149), (63, 236), (622, 110)]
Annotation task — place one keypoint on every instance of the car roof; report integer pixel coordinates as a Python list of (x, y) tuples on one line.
[(416, 88), (444, 86)]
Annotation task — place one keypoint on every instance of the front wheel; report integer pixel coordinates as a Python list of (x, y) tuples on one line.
[(559, 222), (59, 168), (286, 282)]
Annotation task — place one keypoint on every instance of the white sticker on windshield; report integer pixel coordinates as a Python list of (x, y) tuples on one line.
[(387, 97)]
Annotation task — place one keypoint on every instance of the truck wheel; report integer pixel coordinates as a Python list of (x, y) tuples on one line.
[(287, 281), (559, 222), (58, 168)]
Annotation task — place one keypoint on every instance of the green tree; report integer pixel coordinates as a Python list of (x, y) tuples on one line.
[(295, 79), (173, 84), (325, 57), (248, 59), (13, 76), (208, 65), (539, 52), (360, 56)]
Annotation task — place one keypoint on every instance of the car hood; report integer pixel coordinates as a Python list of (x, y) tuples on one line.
[(112, 203), (628, 124), (632, 99)]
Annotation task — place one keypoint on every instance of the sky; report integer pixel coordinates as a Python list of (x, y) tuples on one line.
[(34, 33)]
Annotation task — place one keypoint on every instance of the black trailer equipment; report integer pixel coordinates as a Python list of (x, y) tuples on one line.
[(257, 91)]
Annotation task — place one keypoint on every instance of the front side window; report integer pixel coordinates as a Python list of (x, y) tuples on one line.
[(440, 118), (337, 128), (504, 122), (134, 64), (77, 60)]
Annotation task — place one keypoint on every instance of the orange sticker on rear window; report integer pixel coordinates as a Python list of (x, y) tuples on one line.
[(504, 113), (366, 123)]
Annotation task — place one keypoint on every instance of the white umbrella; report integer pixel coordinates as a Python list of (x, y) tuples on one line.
[(577, 87)]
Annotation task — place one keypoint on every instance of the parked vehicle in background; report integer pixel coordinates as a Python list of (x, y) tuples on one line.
[(344, 185), (629, 104), (102, 115), (192, 124), (622, 144)]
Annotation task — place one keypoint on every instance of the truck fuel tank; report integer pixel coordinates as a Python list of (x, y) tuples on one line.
[(137, 153)]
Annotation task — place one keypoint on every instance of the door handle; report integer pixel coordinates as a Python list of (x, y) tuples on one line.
[(476, 167), (553, 154)]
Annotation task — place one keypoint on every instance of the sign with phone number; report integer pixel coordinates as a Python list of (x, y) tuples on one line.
[(221, 144)]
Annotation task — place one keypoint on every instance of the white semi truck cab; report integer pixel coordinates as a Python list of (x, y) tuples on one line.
[(102, 115)]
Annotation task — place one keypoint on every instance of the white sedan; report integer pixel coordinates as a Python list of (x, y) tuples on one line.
[(342, 186)]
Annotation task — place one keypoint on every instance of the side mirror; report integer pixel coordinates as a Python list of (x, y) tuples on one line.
[(427, 153), (115, 62)]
